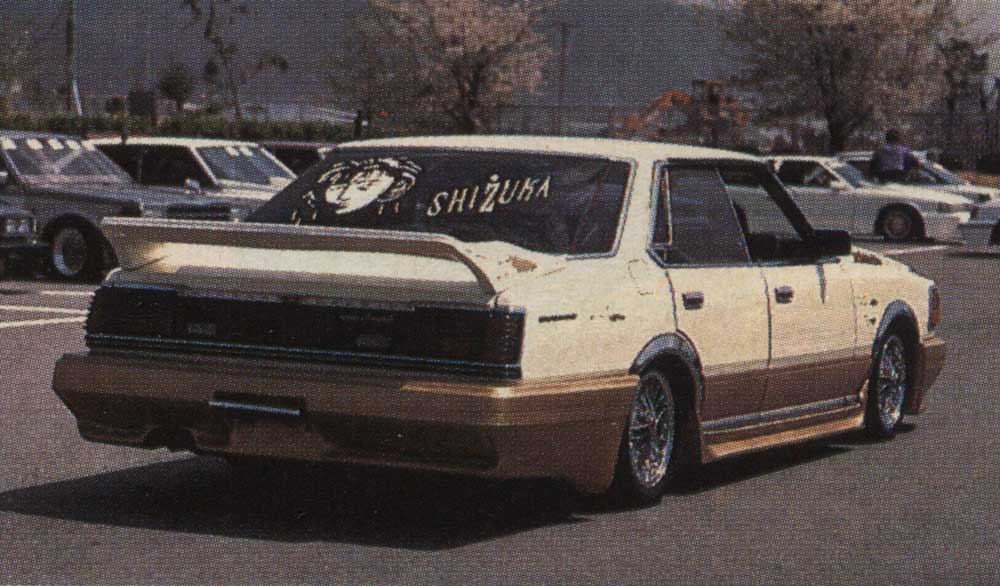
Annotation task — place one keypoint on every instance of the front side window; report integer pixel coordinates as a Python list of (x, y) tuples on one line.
[(171, 166), (804, 174), (703, 226), (772, 226), (556, 204)]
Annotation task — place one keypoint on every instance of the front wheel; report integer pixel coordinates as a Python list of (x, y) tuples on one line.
[(888, 387), (901, 225), (647, 459), (75, 253)]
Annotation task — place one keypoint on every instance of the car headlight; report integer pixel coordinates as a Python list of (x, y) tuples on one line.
[(10, 226), (26, 227)]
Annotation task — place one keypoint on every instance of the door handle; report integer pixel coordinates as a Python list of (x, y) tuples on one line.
[(784, 294), (693, 300)]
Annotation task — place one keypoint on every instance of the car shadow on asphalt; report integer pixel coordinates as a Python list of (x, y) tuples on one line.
[(387, 508), (300, 503)]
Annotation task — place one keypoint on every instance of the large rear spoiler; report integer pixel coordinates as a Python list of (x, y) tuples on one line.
[(141, 242)]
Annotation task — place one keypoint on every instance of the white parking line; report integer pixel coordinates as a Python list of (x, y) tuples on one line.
[(41, 322), (36, 309), (67, 293), (919, 250)]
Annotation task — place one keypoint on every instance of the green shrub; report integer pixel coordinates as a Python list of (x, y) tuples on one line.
[(191, 125)]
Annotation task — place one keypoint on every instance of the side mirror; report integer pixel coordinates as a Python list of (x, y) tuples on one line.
[(192, 185), (831, 243)]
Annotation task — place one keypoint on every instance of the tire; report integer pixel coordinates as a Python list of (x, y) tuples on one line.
[(900, 225), (75, 252), (648, 457), (888, 386)]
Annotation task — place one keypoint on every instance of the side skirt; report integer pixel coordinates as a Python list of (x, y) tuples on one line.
[(723, 438)]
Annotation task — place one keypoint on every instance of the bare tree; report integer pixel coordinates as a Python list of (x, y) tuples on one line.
[(849, 62), (229, 67), (964, 67), (443, 60), (17, 64)]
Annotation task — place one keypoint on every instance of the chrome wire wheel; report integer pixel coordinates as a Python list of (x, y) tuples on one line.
[(70, 253), (651, 431), (891, 385)]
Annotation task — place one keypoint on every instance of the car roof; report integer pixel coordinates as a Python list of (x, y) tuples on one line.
[(296, 144), (808, 158), (566, 145), (173, 141)]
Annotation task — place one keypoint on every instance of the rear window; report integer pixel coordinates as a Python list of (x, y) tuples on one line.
[(546, 203)]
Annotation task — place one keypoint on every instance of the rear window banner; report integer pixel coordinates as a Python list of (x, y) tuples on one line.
[(496, 192), (556, 204), (350, 186)]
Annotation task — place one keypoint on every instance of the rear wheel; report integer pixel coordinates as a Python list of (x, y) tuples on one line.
[(900, 225), (647, 461), (75, 252), (888, 387)]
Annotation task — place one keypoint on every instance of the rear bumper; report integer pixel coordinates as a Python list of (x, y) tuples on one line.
[(930, 361), (23, 249), (566, 428), (977, 235)]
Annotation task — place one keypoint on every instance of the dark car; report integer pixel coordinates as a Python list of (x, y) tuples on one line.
[(70, 187), (241, 173), (17, 237), (298, 156)]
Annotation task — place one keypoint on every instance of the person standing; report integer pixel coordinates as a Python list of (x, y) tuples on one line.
[(893, 161)]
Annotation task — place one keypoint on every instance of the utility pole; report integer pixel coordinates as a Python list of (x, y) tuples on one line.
[(73, 105), (564, 30)]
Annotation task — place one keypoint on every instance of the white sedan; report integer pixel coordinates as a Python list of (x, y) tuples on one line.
[(929, 175), (834, 194)]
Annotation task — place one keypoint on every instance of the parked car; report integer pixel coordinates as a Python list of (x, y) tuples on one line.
[(930, 175), (981, 235), (835, 194), (240, 172), (606, 312), (298, 156), (17, 237), (70, 187)]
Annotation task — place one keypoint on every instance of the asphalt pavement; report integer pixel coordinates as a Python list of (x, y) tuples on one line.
[(920, 509)]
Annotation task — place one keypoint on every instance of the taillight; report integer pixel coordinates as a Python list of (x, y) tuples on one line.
[(492, 337), (132, 311), (934, 306)]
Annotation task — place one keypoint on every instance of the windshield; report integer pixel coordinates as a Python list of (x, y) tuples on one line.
[(851, 174), (245, 164), (943, 176), (61, 160), (545, 203)]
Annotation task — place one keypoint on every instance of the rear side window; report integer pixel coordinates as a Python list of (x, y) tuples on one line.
[(170, 166), (703, 226)]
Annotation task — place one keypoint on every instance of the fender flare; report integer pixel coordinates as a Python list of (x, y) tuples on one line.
[(895, 310), (678, 346)]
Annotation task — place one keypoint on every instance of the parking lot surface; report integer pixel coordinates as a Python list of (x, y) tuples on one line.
[(921, 509)]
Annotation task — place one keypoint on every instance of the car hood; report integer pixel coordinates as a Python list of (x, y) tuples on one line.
[(149, 197), (976, 193), (909, 192)]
